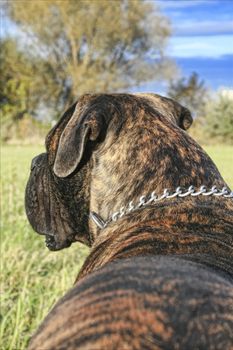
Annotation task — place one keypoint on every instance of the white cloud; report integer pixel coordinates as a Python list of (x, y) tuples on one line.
[(201, 46), (198, 17), (191, 27)]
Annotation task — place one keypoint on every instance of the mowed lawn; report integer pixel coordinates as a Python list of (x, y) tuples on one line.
[(32, 278)]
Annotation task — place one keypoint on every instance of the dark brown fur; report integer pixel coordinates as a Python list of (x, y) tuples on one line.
[(159, 278)]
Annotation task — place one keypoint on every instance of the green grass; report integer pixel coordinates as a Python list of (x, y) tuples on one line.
[(223, 158), (32, 278)]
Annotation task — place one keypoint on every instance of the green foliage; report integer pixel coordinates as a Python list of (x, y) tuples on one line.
[(214, 115), (24, 131), (14, 84), (20, 93), (219, 119), (190, 92), (94, 46)]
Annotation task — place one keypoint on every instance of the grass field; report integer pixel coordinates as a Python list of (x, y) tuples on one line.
[(32, 278)]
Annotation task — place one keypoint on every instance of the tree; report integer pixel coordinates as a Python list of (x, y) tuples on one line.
[(20, 87), (190, 92), (219, 118), (92, 45), (15, 86)]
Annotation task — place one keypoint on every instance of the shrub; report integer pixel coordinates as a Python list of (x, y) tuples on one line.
[(218, 120)]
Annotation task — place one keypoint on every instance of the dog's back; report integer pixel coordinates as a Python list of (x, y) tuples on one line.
[(129, 296), (143, 303)]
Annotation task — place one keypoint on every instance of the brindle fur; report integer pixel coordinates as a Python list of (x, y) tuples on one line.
[(159, 278)]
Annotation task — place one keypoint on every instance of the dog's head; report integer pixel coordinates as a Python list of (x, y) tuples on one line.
[(100, 145)]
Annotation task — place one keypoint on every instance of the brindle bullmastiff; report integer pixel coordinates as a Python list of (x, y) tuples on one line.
[(121, 175)]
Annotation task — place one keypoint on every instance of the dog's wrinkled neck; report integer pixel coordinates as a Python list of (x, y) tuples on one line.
[(153, 199), (147, 159)]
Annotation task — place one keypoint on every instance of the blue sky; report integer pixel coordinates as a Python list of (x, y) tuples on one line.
[(202, 38)]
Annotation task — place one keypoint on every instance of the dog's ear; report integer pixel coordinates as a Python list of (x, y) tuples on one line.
[(185, 119), (79, 130)]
